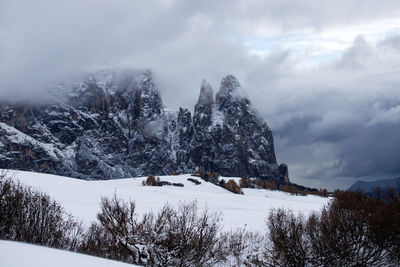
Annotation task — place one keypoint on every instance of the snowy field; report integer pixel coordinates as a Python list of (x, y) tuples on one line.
[(81, 198), (36, 256)]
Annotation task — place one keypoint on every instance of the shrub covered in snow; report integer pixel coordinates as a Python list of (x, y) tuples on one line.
[(31, 216), (171, 237)]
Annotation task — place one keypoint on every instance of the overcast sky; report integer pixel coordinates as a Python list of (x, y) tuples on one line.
[(324, 74)]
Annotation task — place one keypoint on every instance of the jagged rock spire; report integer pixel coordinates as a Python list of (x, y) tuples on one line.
[(203, 108), (149, 99), (230, 92), (229, 83), (206, 93)]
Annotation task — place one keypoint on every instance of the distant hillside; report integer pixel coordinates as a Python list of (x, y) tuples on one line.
[(368, 186)]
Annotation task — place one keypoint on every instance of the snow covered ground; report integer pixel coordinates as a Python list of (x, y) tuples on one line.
[(81, 198), (16, 254)]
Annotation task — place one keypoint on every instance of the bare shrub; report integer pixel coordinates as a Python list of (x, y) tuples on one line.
[(341, 238), (293, 190), (183, 237), (287, 234), (212, 177), (203, 175), (322, 192), (246, 183), (31, 216), (368, 227), (195, 181), (151, 181), (114, 236), (256, 183), (232, 186), (246, 248), (353, 230), (171, 237), (270, 185)]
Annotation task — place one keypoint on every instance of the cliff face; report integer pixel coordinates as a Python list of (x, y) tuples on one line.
[(113, 125)]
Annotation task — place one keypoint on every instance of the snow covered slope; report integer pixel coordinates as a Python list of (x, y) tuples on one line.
[(81, 198), (15, 254)]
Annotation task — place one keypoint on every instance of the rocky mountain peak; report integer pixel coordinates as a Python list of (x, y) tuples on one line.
[(148, 98), (229, 83), (230, 95), (206, 93), (115, 126), (203, 108)]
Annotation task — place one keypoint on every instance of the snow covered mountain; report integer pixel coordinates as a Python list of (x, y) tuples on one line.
[(113, 124)]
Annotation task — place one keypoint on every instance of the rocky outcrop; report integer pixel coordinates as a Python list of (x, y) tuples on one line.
[(231, 137), (113, 124)]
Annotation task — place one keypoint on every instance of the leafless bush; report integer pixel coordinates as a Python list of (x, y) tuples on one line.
[(287, 234), (353, 230), (171, 237), (256, 183), (293, 190), (195, 181), (338, 237), (115, 234), (372, 226), (232, 186), (183, 237), (212, 177), (151, 181), (31, 216), (246, 248)]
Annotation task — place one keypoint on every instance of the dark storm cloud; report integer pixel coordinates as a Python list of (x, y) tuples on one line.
[(335, 120), (343, 119)]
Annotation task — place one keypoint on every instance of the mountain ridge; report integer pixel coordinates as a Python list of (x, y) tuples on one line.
[(113, 124), (368, 186)]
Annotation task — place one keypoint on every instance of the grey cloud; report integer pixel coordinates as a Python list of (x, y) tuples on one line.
[(325, 119), (345, 122), (356, 55)]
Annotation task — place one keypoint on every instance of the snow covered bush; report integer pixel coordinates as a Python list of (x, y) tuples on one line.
[(246, 248), (115, 234), (33, 217), (183, 237), (171, 237)]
